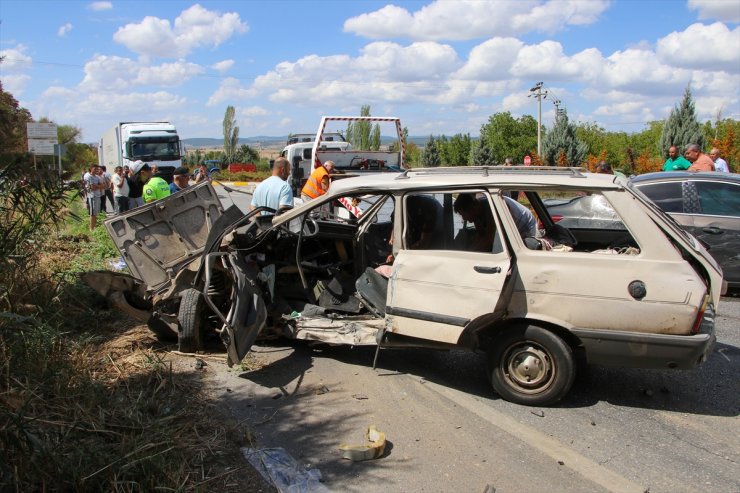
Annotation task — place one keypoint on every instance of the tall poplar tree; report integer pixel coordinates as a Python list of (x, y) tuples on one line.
[(231, 135), (682, 127)]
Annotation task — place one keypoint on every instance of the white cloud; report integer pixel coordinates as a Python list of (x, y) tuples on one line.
[(100, 6), (15, 84), (118, 73), (547, 60), (640, 71), (223, 65), (15, 60), (491, 60), (470, 19), (712, 47), (253, 111), (723, 10), (59, 102), (193, 28), (63, 30), (230, 89)]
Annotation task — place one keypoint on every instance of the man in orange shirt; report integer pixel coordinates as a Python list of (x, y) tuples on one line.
[(699, 160), (318, 183)]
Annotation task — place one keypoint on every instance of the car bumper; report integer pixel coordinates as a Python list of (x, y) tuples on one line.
[(640, 350)]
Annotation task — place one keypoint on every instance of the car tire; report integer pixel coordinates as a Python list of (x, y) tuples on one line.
[(191, 319), (530, 365)]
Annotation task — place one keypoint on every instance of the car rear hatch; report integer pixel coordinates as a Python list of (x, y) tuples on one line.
[(161, 238), (712, 272)]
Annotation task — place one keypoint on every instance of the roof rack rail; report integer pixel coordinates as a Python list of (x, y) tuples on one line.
[(575, 172)]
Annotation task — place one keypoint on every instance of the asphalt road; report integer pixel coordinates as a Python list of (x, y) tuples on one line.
[(617, 430)]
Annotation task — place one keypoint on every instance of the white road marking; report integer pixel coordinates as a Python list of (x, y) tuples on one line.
[(549, 446)]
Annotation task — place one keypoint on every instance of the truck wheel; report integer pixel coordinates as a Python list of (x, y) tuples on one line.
[(192, 321), (530, 365)]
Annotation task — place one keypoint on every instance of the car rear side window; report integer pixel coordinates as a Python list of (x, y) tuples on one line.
[(719, 199), (666, 195)]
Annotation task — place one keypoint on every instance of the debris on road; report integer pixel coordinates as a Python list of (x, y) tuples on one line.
[(282, 471), (539, 413), (369, 451), (359, 397)]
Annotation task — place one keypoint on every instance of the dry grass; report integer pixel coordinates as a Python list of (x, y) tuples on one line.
[(90, 401)]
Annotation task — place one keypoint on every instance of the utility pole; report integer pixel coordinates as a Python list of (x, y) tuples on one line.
[(539, 94)]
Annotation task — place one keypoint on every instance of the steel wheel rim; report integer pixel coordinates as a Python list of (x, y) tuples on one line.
[(528, 367)]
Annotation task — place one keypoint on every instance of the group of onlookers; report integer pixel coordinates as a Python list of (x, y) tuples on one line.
[(130, 187), (695, 160)]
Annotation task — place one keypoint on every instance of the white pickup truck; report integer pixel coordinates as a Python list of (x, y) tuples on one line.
[(329, 145)]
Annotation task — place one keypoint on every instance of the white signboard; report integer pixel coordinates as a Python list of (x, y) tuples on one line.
[(41, 146), (42, 131)]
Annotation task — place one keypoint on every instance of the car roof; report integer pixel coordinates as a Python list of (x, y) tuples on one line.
[(685, 175), (464, 177), (470, 176)]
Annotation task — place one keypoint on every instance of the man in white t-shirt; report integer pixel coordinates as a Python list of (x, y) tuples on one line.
[(94, 186), (120, 190)]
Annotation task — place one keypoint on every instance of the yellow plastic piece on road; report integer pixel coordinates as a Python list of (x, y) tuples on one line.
[(368, 451)]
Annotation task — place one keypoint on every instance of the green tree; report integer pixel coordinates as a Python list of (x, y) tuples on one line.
[(682, 127), (561, 146), (231, 135), (247, 154), (458, 150), (430, 156), (358, 132), (375, 138), (480, 154), (13, 119), (507, 136)]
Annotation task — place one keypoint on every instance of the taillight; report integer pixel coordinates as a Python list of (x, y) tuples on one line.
[(556, 217), (700, 315)]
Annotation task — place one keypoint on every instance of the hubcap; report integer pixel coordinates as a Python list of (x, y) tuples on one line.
[(528, 367)]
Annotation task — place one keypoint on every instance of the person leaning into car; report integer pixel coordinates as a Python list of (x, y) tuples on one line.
[(699, 160), (318, 183), (275, 192)]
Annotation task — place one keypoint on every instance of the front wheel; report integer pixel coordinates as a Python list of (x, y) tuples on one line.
[(192, 321), (531, 366)]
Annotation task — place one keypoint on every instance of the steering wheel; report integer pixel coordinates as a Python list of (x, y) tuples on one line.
[(310, 227)]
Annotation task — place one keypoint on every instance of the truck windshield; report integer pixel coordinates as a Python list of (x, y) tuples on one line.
[(159, 148)]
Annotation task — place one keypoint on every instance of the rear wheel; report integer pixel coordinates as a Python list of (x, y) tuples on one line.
[(531, 366), (192, 318)]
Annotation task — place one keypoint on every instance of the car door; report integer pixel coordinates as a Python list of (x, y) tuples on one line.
[(717, 223), (435, 294)]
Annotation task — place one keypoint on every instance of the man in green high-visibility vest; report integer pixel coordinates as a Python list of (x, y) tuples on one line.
[(155, 188)]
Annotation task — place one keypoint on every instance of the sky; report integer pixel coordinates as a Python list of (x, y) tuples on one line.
[(442, 67)]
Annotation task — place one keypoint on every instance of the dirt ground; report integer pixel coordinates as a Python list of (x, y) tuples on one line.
[(219, 464)]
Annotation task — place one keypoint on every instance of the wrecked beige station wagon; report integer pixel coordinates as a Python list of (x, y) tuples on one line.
[(534, 302)]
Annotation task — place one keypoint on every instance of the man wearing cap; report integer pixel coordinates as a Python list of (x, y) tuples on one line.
[(318, 183), (155, 188), (180, 179)]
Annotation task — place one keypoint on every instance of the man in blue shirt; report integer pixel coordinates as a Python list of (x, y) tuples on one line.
[(180, 179), (275, 192)]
